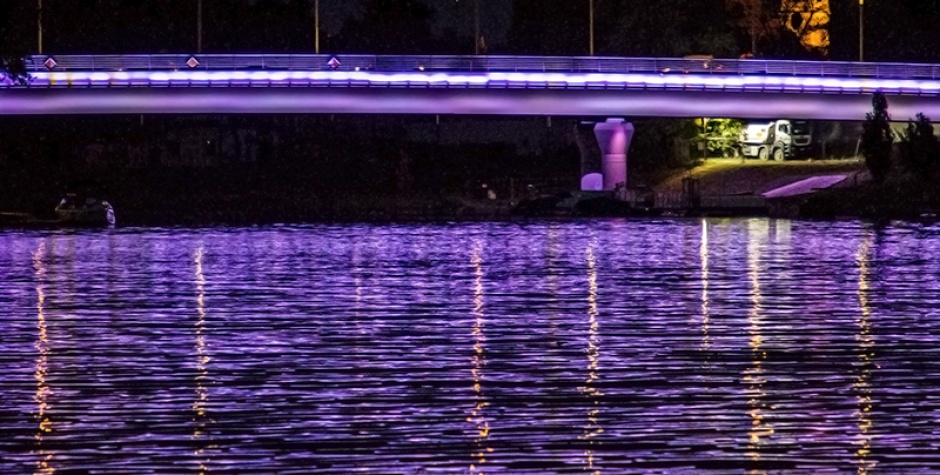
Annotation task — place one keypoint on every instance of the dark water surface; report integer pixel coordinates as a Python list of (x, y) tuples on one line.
[(686, 346)]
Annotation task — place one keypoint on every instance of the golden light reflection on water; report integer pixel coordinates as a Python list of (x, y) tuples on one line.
[(754, 375), (866, 354), (478, 414), (703, 254), (44, 460), (202, 367), (593, 429)]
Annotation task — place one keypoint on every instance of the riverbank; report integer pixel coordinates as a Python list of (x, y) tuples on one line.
[(902, 197), (167, 197), (735, 187), (732, 176), (723, 187)]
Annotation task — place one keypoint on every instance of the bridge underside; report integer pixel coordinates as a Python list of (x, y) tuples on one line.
[(482, 101)]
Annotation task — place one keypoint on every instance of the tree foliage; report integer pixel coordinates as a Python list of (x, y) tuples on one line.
[(13, 69), (550, 28), (919, 147), (721, 135), (877, 138), (661, 145), (757, 18), (389, 27), (667, 28), (809, 21), (622, 28)]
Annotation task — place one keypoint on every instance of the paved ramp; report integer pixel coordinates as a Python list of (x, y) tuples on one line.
[(802, 187)]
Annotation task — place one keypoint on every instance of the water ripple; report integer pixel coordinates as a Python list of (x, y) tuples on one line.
[(650, 346)]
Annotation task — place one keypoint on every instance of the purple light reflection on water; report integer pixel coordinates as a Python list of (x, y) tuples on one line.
[(616, 346)]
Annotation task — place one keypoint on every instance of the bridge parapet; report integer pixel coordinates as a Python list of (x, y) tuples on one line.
[(478, 64)]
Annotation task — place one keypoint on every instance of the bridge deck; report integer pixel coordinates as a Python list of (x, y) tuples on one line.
[(663, 87), (479, 71)]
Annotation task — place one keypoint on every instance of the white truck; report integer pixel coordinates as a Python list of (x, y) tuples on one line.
[(776, 139)]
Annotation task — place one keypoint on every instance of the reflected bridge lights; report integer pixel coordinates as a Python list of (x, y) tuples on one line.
[(478, 413)]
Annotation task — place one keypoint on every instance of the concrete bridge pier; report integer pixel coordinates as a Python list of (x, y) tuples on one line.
[(613, 137)]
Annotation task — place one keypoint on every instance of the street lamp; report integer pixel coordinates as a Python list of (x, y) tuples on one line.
[(591, 27), (199, 26), (476, 27), (861, 30), (39, 24)]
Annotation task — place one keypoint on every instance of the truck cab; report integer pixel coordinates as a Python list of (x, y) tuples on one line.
[(776, 139)]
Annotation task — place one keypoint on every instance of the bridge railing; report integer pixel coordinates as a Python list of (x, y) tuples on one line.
[(391, 63)]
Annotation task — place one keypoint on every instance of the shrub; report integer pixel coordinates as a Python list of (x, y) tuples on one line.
[(919, 148), (877, 138)]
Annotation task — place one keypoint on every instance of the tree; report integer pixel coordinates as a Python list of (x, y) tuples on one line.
[(721, 135), (549, 27), (668, 28), (389, 27), (757, 18), (13, 68), (6, 18), (877, 138), (809, 21), (919, 148)]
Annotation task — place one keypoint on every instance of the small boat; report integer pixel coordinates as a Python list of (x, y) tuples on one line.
[(87, 211)]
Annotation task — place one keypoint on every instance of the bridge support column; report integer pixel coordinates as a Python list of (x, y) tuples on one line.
[(614, 138)]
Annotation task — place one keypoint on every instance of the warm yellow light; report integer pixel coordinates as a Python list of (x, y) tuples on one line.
[(477, 415), (813, 28)]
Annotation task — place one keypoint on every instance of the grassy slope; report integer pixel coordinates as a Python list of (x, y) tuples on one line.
[(732, 176), (901, 196)]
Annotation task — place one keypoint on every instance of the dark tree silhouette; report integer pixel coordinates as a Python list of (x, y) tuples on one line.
[(14, 69), (877, 138), (6, 16), (388, 27), (665, 28), (919, 148), (758, 19), (549, 27)]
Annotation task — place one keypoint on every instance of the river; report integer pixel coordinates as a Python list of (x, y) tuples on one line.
[(596, 346)]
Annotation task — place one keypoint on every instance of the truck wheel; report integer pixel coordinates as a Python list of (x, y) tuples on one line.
[(778, 155), (763, 154)]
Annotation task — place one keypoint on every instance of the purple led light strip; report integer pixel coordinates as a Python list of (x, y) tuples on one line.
[(462, 80), (665, 102)]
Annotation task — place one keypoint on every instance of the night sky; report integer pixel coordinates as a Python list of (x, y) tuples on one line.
[(102, 26), (896, 30)]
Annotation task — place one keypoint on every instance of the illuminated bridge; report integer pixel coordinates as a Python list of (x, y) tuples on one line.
[(516, 85), (595, 87)]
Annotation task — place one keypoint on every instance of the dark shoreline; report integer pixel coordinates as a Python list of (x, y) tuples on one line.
[(440, 219)]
